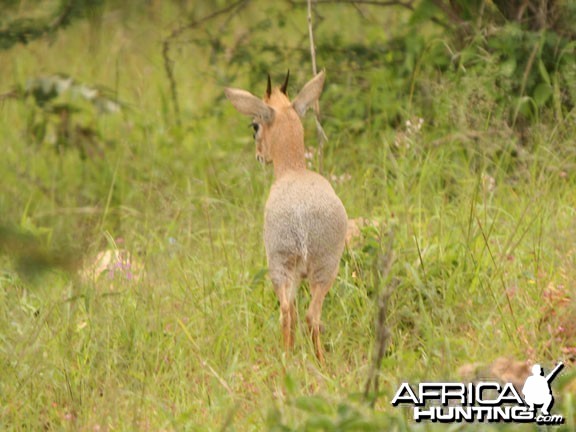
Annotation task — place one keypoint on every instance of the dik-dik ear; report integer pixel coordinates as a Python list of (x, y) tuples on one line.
[(248, 104), (309, 94)]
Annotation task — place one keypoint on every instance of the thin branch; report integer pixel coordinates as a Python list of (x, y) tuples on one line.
[(24, 30), (311, 36), (407, 4), (382, 268), (12, 94), (449, 12), (322, 138), (63, 17), (166, 45)]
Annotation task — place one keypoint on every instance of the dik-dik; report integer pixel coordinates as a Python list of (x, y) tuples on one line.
[(304, 220)]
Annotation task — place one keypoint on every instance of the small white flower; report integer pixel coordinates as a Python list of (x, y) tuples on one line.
[(488, 182)]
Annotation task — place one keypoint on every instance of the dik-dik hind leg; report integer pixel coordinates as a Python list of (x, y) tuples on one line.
[(287, 299), (318, 292)]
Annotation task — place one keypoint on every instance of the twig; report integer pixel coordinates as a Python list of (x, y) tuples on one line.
[(311, 36), (12, 94), (322, 138), (24, 30), (449, 12), (169, 63), (382, 269), (407, 4), (63, 17)]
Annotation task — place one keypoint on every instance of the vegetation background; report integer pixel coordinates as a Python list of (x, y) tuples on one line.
[(132, 272)]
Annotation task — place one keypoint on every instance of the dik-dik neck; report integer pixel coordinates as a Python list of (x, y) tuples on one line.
[(289, 158), (288, 146)]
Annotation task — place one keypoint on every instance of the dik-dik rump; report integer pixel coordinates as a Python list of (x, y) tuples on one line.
[(304, 220)]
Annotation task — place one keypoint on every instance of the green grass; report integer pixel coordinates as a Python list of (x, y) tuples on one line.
[(483, 242)]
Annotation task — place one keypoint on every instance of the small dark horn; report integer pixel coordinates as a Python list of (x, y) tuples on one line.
[(285, 85), (269, 87)]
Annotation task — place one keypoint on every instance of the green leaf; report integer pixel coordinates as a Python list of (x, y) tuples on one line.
[(508, 67), (542, 93), (290, 384), (525, 106), (423, 12), (543, 72)]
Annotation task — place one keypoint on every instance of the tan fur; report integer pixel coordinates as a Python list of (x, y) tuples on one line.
[(305, 222)]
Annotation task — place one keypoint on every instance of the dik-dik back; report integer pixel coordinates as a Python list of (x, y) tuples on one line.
[(305, 221)]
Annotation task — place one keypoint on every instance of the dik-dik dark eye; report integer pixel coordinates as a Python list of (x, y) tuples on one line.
[(256, 127)]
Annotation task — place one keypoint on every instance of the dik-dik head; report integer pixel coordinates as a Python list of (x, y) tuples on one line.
[(276, 120)]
